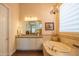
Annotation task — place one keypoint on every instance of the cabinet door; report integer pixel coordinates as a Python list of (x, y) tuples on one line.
[(23, 44), (33, 43), (39, 43), (29, 43)]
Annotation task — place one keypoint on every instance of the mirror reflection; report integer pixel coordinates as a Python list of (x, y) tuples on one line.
[(32, 27)]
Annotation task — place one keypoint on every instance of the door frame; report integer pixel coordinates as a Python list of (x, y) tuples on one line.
[(7, 27)]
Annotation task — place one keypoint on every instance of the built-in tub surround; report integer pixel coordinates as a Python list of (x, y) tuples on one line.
[(55, 37), (64, 38)]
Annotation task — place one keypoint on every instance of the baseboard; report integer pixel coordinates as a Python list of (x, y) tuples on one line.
[(28, 50), (12, 52)]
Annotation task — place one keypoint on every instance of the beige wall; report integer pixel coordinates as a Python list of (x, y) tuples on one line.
[(42, 11), (13, 24)]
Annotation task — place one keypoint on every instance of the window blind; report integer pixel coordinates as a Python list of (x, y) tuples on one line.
[(69, 17)]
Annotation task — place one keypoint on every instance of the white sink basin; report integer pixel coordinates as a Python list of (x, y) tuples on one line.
[(58, 48)]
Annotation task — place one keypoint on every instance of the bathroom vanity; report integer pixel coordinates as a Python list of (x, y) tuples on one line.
[(29, 42), (29, 36)]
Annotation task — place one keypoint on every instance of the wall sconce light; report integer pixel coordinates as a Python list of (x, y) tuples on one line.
[(52, 12)]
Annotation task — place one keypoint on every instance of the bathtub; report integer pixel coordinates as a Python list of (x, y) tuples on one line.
[(52, 48)]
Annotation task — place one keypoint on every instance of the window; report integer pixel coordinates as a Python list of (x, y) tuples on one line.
[(69, 17)]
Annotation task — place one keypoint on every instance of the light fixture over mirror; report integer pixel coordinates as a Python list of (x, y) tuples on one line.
[(31, 18)]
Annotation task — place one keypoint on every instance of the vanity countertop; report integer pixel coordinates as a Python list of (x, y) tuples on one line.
[(28, 36)]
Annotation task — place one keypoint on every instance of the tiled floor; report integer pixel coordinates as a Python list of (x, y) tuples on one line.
[(28, 53)]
